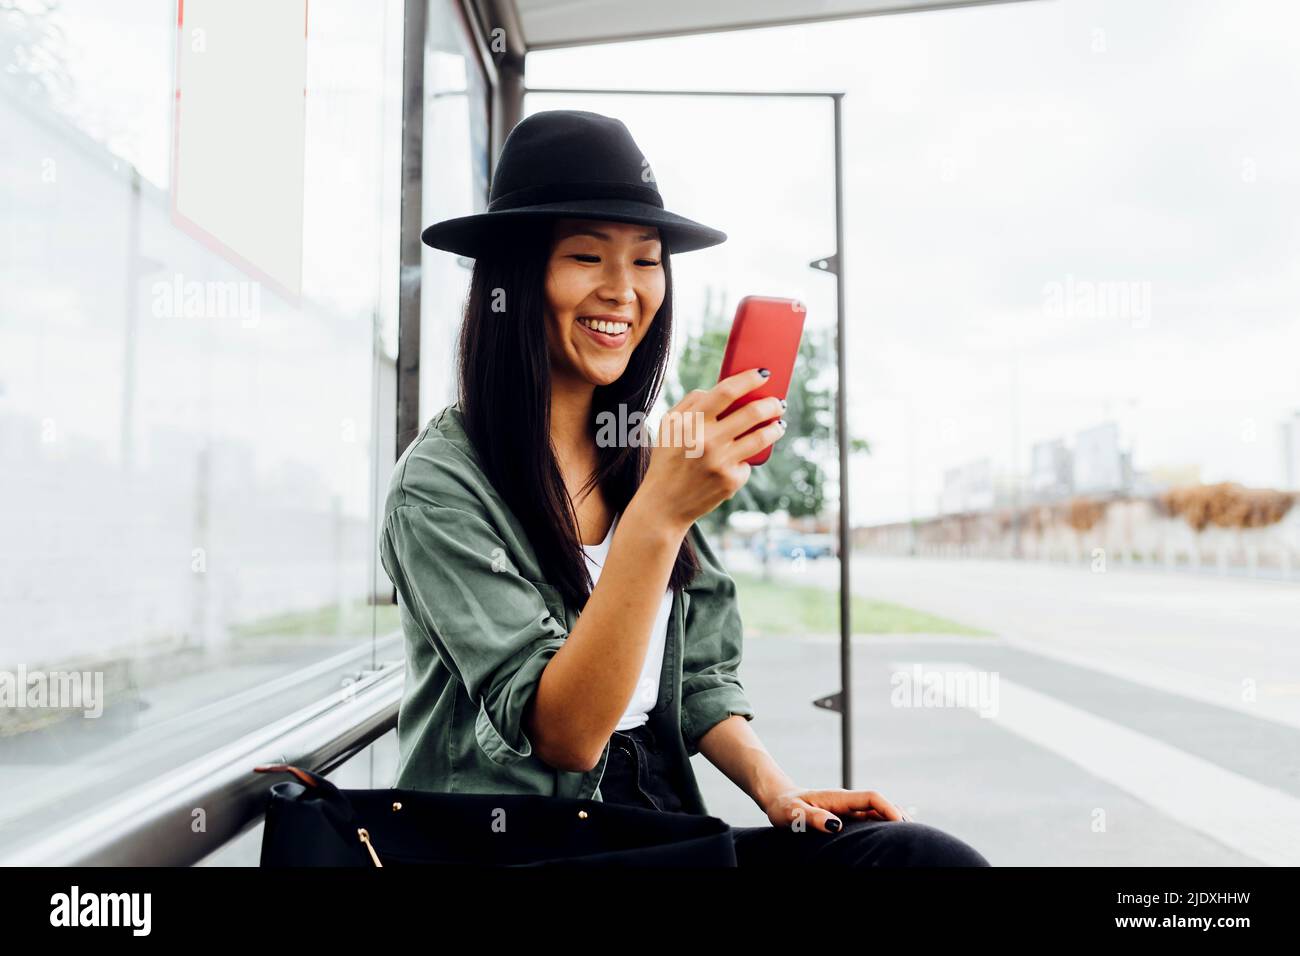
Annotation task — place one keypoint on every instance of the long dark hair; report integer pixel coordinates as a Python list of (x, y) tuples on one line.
[(504, 386)]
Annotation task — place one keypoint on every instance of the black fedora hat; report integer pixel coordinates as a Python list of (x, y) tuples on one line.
[(571, 163)]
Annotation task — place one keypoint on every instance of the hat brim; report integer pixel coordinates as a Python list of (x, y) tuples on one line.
[(477, 235)]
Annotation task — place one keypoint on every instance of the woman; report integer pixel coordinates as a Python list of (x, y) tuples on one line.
[(532, 499)]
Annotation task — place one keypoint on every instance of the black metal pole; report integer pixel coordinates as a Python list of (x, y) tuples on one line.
[(841, 425)]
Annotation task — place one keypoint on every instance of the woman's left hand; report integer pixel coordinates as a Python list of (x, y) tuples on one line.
[(826, 809)]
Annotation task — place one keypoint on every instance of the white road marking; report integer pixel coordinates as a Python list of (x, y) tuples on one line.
[(1256, 820), (1269, 703)]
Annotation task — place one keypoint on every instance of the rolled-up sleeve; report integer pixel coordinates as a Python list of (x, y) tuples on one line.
[(711, 686), (494, 629)]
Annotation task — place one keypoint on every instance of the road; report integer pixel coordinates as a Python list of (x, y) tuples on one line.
[(1139, 718)]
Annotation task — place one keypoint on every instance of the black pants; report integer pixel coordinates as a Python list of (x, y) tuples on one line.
[(638, 774)]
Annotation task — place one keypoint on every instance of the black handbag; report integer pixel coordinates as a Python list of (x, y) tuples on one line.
[(311, 822)]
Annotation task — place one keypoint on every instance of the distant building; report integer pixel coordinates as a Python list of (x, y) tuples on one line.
[(1008, 488), (968, 487), (1051, 470), (1099, 465)]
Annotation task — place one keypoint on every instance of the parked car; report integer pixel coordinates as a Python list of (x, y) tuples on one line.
[(792, 545)]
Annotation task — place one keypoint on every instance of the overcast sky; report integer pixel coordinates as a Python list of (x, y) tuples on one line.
[(999, 159)]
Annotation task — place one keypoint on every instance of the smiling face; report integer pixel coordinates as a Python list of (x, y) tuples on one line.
[(605, 282)]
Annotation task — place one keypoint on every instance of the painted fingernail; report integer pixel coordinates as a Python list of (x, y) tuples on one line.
[(783, 403), (833, 825), (765, 372), (782, 423)]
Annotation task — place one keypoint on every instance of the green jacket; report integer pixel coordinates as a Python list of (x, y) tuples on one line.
[(481, 622)]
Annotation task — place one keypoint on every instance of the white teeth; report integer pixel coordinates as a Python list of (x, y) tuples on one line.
[(612, 328)]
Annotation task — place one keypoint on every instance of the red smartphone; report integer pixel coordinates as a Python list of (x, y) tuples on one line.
[(764, 334)]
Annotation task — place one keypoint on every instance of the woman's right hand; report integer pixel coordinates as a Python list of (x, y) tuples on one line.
[(698, 460)]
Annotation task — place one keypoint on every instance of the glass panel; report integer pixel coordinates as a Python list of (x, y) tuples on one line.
[(1080, 391), (191, 455), (777, 535)]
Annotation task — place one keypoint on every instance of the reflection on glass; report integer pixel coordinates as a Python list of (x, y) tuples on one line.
[(189, 461)]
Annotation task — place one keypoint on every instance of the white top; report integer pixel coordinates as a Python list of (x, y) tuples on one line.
[(646, 694)]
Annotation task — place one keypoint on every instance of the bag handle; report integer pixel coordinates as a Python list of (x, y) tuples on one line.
[(304, 776), (338, 809)]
